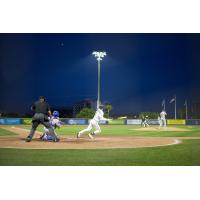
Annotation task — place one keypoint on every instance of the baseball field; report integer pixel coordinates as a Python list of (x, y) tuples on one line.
[(117, 145)]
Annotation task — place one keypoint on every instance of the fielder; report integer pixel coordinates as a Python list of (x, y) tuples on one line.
[(55, 123), (145, 121), (94, 123), (163, 119)]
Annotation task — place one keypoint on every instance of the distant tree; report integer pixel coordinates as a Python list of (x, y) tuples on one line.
[(151, 115), (108, 108), (86, 113)]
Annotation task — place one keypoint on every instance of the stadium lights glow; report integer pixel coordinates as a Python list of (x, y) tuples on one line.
[(98, 55)]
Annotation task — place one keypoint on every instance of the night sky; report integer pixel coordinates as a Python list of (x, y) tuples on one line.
[(138, 72)]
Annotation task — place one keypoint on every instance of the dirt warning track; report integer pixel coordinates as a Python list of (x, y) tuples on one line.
[(71, 142)]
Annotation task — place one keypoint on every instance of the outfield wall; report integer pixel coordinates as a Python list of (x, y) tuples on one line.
[(117, 122), (193, 122), (133, 121), (176, 122), (75, 121), (28, 121), (153, 122), (11, 121), (139, 121)]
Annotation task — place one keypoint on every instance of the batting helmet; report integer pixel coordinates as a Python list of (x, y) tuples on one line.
[(55, 113)]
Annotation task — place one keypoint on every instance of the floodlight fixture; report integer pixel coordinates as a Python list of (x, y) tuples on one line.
[(99, 54)]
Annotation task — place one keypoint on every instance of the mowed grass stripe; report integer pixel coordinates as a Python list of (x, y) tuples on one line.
[(185, 154), (126, 130), (4, 132)]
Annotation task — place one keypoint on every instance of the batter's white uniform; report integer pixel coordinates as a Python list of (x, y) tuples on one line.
[(162, 118), (94, 123)]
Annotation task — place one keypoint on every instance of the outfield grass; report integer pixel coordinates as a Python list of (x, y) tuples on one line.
[(5, 132), (184, 154), (127, 130)]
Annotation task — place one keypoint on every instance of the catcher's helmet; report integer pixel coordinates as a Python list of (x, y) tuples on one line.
[(55, 113)]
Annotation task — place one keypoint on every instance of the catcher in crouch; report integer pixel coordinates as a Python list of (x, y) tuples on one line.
[(55, 123), (94, 123)]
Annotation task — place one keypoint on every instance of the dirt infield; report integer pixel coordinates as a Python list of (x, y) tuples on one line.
[(161, 129), (71, 142)]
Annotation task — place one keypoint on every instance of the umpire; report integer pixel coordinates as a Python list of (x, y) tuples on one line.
[(42, 110)]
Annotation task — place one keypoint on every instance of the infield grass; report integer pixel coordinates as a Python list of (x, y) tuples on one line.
[(127, 130), (4, 132)]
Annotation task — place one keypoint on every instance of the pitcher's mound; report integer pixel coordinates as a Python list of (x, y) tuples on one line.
[(161, 129)]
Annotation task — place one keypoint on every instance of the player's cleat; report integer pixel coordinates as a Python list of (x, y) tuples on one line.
[(90, 136), (56, 140), (28, 139), (41, 136), (78, 135), (45, 137)]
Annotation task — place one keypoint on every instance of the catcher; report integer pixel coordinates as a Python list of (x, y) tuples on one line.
[(55, 123)]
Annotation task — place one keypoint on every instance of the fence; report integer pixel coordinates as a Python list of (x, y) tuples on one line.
[(11, 121), (28, 121)]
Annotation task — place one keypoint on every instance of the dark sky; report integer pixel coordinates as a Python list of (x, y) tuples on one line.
[(139, 71)]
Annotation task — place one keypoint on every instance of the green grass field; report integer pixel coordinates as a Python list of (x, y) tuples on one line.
[(5, 132), (126, 130), (184, 154)]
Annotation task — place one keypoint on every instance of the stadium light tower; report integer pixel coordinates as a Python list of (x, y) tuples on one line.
[(99, 56)]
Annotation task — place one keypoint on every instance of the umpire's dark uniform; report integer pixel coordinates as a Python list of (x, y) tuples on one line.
[(41, 109)]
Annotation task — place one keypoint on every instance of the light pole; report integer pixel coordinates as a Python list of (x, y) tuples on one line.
[(186, 109), (99, 56)]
